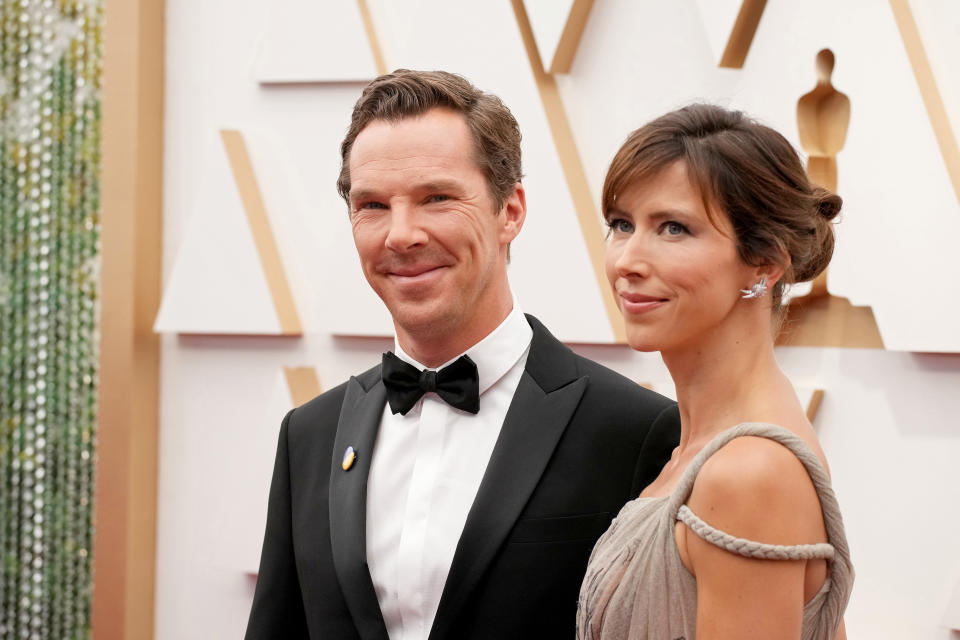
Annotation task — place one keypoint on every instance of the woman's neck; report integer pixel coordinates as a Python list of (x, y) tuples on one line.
[(727, 376)]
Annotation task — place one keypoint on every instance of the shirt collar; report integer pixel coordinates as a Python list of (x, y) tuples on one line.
[(496, 354)]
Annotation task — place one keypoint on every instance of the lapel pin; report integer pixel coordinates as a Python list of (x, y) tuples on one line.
[(349, 457)]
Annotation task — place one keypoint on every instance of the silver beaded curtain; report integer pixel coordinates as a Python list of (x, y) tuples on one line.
[(49, 257)]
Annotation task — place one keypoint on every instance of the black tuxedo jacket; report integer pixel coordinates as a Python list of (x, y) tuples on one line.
[(577, 443)]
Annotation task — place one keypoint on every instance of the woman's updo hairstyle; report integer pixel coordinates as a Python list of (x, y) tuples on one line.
[(746, 170)]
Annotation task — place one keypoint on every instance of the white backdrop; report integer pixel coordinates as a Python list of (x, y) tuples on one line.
[(889, 419)]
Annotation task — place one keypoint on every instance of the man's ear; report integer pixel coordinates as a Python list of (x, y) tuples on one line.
[(514, 212)]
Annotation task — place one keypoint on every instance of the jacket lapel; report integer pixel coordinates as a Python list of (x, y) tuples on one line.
[(357, 427), (549, 392)]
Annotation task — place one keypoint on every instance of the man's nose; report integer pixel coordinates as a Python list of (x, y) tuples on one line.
[(406, 229)]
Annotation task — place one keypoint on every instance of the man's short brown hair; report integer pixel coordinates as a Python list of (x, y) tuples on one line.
[(406, 94)]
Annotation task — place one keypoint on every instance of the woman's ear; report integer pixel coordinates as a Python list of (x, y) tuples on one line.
[(773, 273)]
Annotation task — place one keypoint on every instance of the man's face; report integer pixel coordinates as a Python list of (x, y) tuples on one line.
[(431, 240)]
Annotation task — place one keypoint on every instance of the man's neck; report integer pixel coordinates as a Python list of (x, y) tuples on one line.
[(440, 347)]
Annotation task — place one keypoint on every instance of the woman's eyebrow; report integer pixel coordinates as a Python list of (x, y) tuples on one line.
[(661, 214), (615, 211)]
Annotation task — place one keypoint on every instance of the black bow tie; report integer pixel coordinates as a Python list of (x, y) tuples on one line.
[(457, 383)]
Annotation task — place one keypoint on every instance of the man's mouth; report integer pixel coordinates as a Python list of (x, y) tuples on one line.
[(412, 271), (415, 275)]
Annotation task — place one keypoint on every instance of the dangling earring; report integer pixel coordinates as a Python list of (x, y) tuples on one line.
[(757, 290)]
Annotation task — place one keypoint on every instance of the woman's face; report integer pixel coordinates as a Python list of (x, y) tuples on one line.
[(676, 276)]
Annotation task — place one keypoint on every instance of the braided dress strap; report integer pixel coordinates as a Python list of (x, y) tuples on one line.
[(828, 501), (749, 548), (824, 613)]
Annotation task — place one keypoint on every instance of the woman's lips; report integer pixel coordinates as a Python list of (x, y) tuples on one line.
[(635, 303)]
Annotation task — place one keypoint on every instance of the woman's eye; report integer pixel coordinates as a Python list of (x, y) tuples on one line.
[(620, 225), (674, 228)]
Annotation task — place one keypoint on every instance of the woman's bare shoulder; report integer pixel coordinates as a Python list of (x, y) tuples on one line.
[(756, 488)]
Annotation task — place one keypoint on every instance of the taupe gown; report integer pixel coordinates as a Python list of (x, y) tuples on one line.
[(636, 586)]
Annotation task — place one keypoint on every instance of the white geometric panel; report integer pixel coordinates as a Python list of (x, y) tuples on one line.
[(718, 18), (245, 508), (314, 41), (548, 18), (218, 284), (951, 618), (939, 27)]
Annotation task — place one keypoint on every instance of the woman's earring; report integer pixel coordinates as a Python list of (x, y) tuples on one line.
[(757, 290)]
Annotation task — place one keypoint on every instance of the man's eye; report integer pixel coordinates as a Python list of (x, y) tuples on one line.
[(438, 198), (372, 205)]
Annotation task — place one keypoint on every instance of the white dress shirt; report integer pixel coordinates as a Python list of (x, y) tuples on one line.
[(425, 473)]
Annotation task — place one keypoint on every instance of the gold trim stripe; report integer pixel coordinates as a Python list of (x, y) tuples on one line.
[(266, 244), (816, 398), (590, 226), (124, 542), (741, 36), (372, 36), (302, 383), (927, 84), (570, 38)]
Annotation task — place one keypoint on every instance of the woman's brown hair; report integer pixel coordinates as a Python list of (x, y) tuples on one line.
[(746, 170)]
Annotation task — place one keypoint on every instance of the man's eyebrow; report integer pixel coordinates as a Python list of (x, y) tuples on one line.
[(431, 186), (360, 194), (438, 185)]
